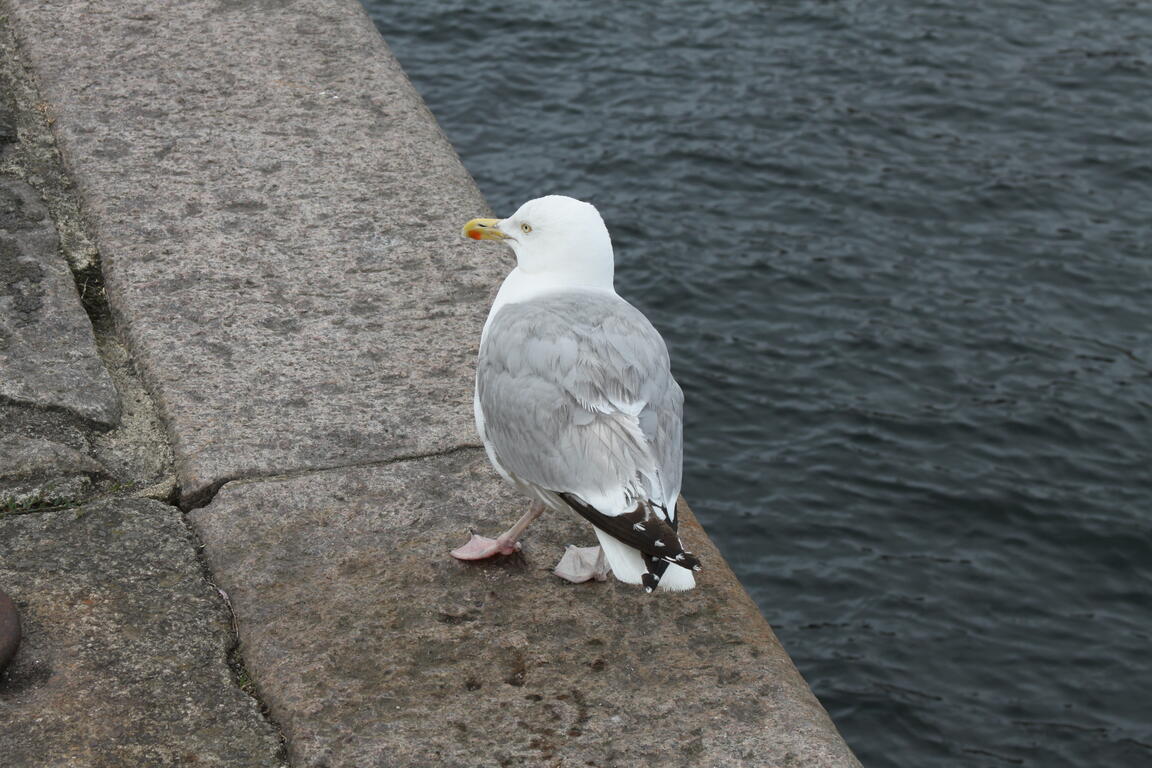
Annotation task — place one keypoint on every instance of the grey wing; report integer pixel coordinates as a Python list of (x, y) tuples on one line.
[(578, 398)]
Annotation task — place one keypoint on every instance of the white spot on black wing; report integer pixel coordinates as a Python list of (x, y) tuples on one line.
[(641, 528), (656, 567)]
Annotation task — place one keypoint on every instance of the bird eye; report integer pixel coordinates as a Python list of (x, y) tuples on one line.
[(525, 228)]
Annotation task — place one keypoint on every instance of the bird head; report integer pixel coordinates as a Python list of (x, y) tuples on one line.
[(554, 235)]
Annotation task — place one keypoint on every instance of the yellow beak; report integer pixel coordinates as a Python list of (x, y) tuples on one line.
[(483, 229)]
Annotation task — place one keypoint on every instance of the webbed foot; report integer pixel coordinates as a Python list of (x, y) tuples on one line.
[(580, 564), (481, 547)]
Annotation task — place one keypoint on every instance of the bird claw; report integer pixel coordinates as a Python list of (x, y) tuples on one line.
[(481, 547)]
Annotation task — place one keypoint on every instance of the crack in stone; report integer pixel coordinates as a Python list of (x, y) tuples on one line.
[(136, 449), (36, 160), (206, 496), (71, 416), (34, 507), (234, 656)]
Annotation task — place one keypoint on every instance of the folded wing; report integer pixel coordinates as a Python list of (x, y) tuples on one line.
[(579, 404)]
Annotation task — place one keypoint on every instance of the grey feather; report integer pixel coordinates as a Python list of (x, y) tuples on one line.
[(577, 397)]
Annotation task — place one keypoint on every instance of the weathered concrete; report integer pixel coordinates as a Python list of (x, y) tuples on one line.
[(123, 657), (372, 647), (42, 469), (278, 216), (29, 153), (47, 454), (47, 352)]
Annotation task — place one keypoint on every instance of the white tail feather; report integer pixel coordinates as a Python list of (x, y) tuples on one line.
[(677, 579), (628, 565)]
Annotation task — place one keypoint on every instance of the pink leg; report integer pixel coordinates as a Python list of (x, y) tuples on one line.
[(480, 547)]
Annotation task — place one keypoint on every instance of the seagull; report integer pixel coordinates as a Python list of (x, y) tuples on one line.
[(575, 402)]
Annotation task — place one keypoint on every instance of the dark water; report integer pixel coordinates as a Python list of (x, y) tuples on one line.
[(902, 254)]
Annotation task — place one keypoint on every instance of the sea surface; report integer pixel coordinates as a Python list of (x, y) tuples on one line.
[(902, 256)]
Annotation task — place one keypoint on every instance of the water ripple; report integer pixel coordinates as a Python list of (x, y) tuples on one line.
[(901, 253)]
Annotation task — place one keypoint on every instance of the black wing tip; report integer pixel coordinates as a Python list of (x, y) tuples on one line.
[(646, 532), (651, 577), (641, 528)]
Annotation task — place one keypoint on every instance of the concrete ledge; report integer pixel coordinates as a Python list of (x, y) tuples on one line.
[(122, 662), (371, 646), (48, 355), (277, 215)]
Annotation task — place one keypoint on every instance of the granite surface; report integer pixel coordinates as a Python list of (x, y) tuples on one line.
[(124, 656), (75, 420), (48, 355), (372, 646), (278, 218), (44, 470)]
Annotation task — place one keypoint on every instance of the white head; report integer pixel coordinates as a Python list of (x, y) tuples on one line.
[(556, 237)]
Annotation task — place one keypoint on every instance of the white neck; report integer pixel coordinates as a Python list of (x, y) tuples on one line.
[(524, 286)]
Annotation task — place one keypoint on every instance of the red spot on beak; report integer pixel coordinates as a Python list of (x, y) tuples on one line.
[(475, 234)]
